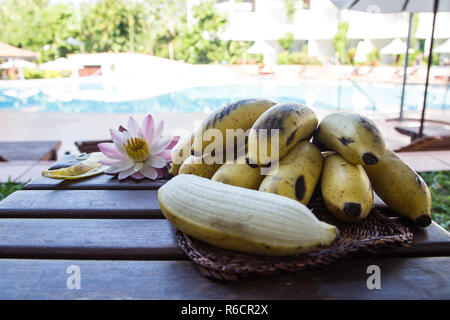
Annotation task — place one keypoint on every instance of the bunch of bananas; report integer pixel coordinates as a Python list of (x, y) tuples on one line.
[(347, 160)]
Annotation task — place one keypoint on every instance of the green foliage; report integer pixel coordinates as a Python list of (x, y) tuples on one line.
[(199, 43), (45, 74), (291, 8), (297, 58), (340, 41), (8, 188), (286, 41), (351, 55), (39, 26), (439, 185), (374, 56)]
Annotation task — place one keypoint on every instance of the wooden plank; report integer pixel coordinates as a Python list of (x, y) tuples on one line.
[(81, 204), (99, 182), (416, 278), (29, 150), (88, 239), (141, 239)]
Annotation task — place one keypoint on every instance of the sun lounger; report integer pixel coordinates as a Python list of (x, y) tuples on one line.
[(436, 136), (29, 150)]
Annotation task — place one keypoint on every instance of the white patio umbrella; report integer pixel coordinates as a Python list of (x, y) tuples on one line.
[(411, 6), (443, 48), (17, 63), (362, 49), (58, 64), (396, 46)]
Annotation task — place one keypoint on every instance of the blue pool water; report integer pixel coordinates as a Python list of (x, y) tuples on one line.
[(97, 97)]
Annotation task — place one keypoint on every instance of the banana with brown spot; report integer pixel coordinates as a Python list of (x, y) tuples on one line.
[(297, 174), (356, 138), (293, 121), (346, 189), (240, 114), (401, 188)]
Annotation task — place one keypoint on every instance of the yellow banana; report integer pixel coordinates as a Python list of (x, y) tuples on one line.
[(83, 169), (401, 188), (297, 174), (356, 138), (346, 189), (242, 219), (180, 153), (293, 122), (199, 166), (239, 174), (240, 114)]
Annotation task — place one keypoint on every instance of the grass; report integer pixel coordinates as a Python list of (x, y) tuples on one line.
[(437, 181), (8, 188), (439, 185)]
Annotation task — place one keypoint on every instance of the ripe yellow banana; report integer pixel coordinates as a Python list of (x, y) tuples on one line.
[(297, 175), (83, 169), (401, 188), (199, 167), (346, 189), (356, 138), (293, 121), (180, 153), (242, 219), (239, 174), (240, 114)]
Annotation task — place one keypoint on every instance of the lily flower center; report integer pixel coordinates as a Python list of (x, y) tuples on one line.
[(137, 149)]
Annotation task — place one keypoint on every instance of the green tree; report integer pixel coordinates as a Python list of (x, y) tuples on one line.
[(286, 41), (112, 25), (291, 8), (39, 26), (200, 43), (340, 41)]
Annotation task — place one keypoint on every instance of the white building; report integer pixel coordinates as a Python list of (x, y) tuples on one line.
[(315, 23)]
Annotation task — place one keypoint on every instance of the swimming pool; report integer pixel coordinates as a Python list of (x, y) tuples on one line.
[(101, 97)]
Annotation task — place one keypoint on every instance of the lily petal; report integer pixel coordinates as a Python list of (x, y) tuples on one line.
[(137, 176), (162, 145), (120, 166), (161, 172), (158, 131), (166, 155), (109, 150), (148, 129), (138, 166), (118, 140), (133, 127), (156, 162), (125, 174), (149, 172)]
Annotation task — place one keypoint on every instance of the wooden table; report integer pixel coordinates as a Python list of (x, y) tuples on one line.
[(115, 233)]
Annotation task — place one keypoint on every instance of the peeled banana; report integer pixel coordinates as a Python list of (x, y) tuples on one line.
[(239, 174), (240, 114), (401, 188), (297, 174), (346, 189), (199, 166), (293, 122), (83, 169), (242, 219), (356, 138), (180, 153)]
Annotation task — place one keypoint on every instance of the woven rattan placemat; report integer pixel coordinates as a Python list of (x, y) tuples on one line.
[(376, 230)]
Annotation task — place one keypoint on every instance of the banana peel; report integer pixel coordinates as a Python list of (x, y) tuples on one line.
[(86, 168)]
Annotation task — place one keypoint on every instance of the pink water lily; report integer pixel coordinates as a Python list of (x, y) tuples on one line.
[(137, 151)]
